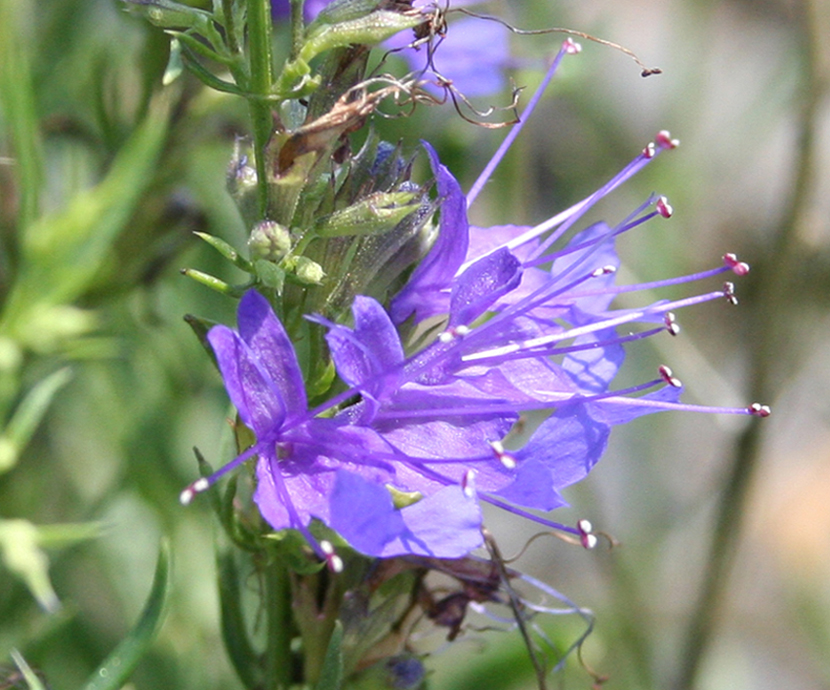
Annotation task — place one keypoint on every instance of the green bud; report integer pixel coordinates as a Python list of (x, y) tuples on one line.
[(171, 15), (374, 215), (308, 271), (370, 29), (269, 240), (345, 10)]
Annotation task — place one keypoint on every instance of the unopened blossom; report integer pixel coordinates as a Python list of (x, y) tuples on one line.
[(506, 320)]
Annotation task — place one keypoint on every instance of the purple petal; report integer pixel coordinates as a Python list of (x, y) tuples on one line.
[(594, 368), (584, 260), (444, 525), (372, 348), (482, 284), (569, 443), (272, 349), (251, 390), (363, 514), (291, 501), (533, 487), (473, 56), (427, 292)]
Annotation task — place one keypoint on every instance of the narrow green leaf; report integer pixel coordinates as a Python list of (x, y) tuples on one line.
[(331, 675), (27, 416), (194, 46), (29, 675), (243, 656), (119, 665), (207, 78), (201, 327), (214, 283), (227, 251)]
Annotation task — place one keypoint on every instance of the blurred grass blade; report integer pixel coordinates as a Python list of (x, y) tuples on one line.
[(245, 660), (26, 671), (17, 101), (119, 665), (62, 252), (27, 416), (331, 675), (22, 555)]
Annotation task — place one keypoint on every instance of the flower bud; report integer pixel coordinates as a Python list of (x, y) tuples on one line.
[(170, 15), (373, 215), (308, 271), (269, 240), (329, 31)]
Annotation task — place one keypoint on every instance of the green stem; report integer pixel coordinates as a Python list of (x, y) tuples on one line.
[(770, 335), (297, 27), (230, 28), (278, 665), (259, 88)]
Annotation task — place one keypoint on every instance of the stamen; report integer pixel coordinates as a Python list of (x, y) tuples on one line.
[(197, 487), (586, 536), (468, 483), (759, 410), (729, 293), (571, 47), (671, 325), (204, 483), (650, 150), (333, 561), (504, 457), (664, 140), (664, 208), (604, 271), (739, 268), (453, 333), (667, 375)]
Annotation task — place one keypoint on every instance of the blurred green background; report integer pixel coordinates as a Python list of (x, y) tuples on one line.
[(111, 174)]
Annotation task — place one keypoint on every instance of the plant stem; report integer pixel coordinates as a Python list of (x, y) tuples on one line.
[(297, 27), (259, 89), (278, 665)]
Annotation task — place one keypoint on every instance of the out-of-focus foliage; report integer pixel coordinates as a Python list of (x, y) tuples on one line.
[(104, 176)]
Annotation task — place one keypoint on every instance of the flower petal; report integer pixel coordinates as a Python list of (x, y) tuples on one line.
[(444, 525), (427, 292), (266, 337), (252, 392), (478, 288)]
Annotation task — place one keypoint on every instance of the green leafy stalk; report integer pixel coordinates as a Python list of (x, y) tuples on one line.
[(297, 27), (259, 89), (278, 664)]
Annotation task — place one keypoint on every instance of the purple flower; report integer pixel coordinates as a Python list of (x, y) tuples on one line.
[(472, 56), (399, 462)]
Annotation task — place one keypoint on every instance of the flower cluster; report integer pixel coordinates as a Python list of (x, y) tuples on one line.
[(492, 323)]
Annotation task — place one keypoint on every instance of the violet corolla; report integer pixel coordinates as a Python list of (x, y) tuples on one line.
[(498, 323)]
